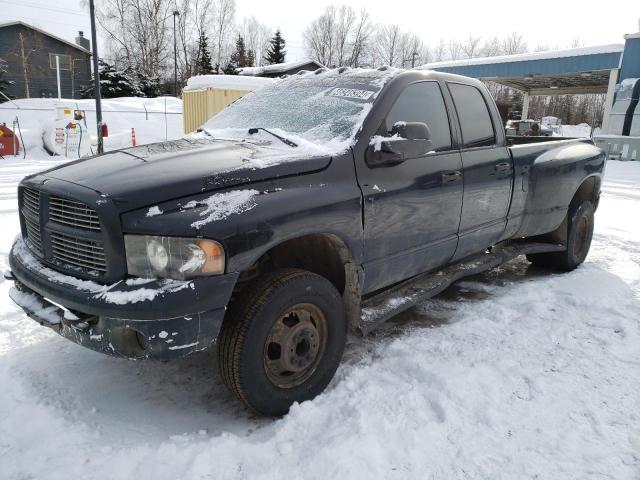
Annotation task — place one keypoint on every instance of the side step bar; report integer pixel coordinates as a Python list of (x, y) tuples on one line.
[(381, 307)]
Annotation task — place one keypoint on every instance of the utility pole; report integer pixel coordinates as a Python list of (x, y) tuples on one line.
[(175, 54), (413, 58), (96, 76)]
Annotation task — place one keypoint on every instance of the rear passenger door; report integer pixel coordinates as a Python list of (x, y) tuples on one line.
[(487, 170), (412, 209)]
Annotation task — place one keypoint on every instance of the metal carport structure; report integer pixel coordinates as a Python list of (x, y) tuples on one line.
[(560, 72)]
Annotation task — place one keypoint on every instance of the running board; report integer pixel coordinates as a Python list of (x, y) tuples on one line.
[(381, 307)]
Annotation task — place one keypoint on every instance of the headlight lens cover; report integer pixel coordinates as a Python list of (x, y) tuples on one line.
[(150, 256)]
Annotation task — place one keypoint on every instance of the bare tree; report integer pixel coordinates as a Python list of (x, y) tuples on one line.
[(454, 50), (471, 46), (388, 49), (256, 36), (513, 44), (137, 31), (225, 12), (491, 48), (339, 36)]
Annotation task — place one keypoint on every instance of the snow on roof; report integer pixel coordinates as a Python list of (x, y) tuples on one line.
[(71, 44), (276, 68), (524, 57), (229, 82)]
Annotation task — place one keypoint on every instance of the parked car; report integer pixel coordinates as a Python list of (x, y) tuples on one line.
[(323, 204)]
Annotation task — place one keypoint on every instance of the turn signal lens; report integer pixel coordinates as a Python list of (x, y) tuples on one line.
[(214, 256)]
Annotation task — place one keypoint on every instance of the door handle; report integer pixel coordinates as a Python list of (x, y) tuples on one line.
[(503, 167), (449, 177)]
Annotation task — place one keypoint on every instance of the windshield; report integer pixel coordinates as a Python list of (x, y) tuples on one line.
[(325, 109)]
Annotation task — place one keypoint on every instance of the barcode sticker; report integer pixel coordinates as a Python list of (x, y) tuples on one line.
[(350, 93)]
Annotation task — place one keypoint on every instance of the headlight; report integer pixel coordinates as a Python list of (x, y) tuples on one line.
[(150, 256)]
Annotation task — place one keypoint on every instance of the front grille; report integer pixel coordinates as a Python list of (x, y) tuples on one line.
[(31, 214), (72, 213), (65, 233), (79, 252)]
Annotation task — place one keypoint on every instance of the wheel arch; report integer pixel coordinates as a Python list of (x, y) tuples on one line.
[(323, 253)]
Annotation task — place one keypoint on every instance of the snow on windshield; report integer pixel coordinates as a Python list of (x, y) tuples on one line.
[(325, 109)]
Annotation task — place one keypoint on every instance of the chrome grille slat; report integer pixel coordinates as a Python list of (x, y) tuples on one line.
[(74, 244), (81, 252), (31, 215), (73, 213), (31, 201)]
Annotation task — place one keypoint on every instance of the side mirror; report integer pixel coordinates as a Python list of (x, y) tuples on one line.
[(407, 140)]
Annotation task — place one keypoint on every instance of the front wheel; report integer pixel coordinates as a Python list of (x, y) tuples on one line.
[(283, 340), (579, 236)]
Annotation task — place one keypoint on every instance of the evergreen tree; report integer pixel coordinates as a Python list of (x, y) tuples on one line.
[(203, 64), (240, 58), (276, 52), (114, 83), (148, 86)]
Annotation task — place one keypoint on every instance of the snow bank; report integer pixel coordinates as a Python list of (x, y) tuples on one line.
[(275, 68), (524, 57), (154, 119), (229, 82)]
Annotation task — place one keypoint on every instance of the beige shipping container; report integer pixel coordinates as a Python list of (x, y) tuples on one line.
[(218, 91)]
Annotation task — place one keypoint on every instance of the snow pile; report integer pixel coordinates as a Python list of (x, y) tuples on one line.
[(221, 205), (576, 131), (154, 119), (275, 68), (525, 57), (228, 82), (514, 374)]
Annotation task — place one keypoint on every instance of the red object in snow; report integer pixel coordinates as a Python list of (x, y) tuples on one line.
[(105, 130), (134, 142), (9, 143)]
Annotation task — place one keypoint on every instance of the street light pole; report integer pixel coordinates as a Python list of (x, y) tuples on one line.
[(96, 75), (175, 54)]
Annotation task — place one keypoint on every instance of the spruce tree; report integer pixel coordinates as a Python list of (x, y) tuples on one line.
[(203, 64), (276, 52), (240, 58), (114, 83)]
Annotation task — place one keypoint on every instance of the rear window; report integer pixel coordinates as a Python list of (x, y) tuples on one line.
[(475, 119)]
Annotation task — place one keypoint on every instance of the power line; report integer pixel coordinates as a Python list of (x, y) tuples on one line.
[(40, 7)]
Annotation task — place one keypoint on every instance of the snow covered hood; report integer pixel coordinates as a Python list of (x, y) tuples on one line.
[(149, 174)]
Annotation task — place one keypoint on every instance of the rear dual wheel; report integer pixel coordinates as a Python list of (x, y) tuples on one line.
[(580, 226), (283, 340)]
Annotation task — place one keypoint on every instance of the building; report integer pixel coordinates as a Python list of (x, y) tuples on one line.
[(30, 56), (279, 69)]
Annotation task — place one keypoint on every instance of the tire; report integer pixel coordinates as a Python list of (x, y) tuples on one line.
[(288, 311), (579, 236)]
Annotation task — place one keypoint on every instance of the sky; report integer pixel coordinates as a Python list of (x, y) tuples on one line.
[(548, 23)]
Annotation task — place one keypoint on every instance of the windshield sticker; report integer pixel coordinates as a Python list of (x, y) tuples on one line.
[(350, 93)]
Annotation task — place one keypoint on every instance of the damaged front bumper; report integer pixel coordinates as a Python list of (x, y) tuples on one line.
[(159, 319)]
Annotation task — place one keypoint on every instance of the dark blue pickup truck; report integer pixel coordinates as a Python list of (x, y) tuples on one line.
[(323, 204)]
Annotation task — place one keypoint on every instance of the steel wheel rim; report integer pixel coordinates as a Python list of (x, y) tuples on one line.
[(295, 344), (581, 235)]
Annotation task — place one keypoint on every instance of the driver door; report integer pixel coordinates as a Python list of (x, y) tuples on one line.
[(412, 209)]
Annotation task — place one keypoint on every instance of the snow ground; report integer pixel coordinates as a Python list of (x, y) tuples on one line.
[(509, 375)]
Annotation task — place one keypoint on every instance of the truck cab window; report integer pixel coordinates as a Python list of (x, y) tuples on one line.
[(475, 119), (422, 102)]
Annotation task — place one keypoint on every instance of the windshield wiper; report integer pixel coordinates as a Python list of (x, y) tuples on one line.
[(286, 141)]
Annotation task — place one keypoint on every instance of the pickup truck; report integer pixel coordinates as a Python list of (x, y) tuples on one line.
[(321, 205)]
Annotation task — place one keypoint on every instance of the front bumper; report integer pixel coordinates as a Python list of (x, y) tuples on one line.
[(160, 319)]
